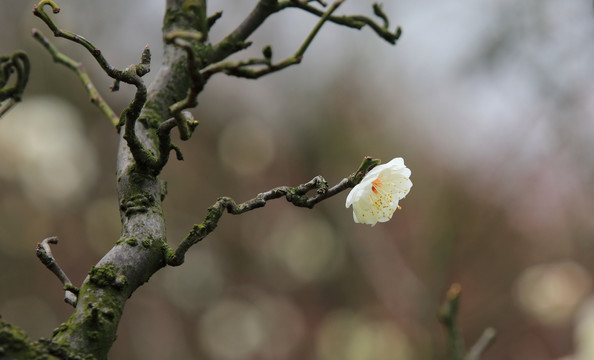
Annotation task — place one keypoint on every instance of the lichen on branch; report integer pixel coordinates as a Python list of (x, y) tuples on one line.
[(296, 195)]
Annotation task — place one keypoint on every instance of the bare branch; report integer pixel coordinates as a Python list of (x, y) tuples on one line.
[(82, 75), (448, 316), (353, 21), (118, 75), (17, 63), (165, 145), (44, 254), (295, 195), (243, 68), (143, 157), (236, 40)]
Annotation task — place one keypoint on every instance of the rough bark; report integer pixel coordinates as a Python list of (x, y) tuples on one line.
[(139, 252)]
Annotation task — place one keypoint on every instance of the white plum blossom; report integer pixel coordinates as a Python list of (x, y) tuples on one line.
[(376, 197)]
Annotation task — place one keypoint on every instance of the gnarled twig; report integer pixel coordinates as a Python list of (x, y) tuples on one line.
[(353, 21), (116, 74), (295, 195), (243, 68), (44, 254), (17, 63)]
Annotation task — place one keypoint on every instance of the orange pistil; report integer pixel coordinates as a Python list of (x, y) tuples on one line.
[(375, 184)]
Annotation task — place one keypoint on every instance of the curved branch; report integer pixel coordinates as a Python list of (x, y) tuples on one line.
[(17, 62), (44, 253), (352, 21), (118, 75), (295, 195), (243, 68), (77, 67), (144, 158), (235, 41), (165, 145)]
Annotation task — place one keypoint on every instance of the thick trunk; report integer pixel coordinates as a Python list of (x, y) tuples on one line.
[(139, 252)]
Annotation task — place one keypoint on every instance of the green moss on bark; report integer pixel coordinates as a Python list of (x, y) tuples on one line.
[(15, 344)]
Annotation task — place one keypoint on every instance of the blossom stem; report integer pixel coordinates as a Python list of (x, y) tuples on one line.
[(296, 195)]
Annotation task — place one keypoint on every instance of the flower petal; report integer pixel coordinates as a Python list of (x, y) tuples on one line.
[(376, 197)]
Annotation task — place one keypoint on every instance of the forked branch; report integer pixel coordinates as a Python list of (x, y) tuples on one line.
[(244, 68), (353, 21), (296, 195)]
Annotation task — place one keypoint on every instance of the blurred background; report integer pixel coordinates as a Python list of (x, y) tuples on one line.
[(489, 102)]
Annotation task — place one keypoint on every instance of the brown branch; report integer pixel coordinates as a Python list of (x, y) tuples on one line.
[(118, 75), (236, 40), (44, 254), (80, 71), (295, 195), (144, 158), (17, 63), (352, 21), (243, 68)]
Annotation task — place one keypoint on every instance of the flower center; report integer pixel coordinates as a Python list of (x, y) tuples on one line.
[(375, 184)]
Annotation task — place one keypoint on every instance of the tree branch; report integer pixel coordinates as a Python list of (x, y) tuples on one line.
[(185, 124), (352, 21), (295, 195), (235, 41), (82, 75), (448, 316), (242, 68), (144, 158), (165, 145), (17, 62), (44, 254), (118, 75)]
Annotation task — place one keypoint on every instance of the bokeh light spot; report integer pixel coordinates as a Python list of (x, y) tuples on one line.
[(246, 147), (45, 149)]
